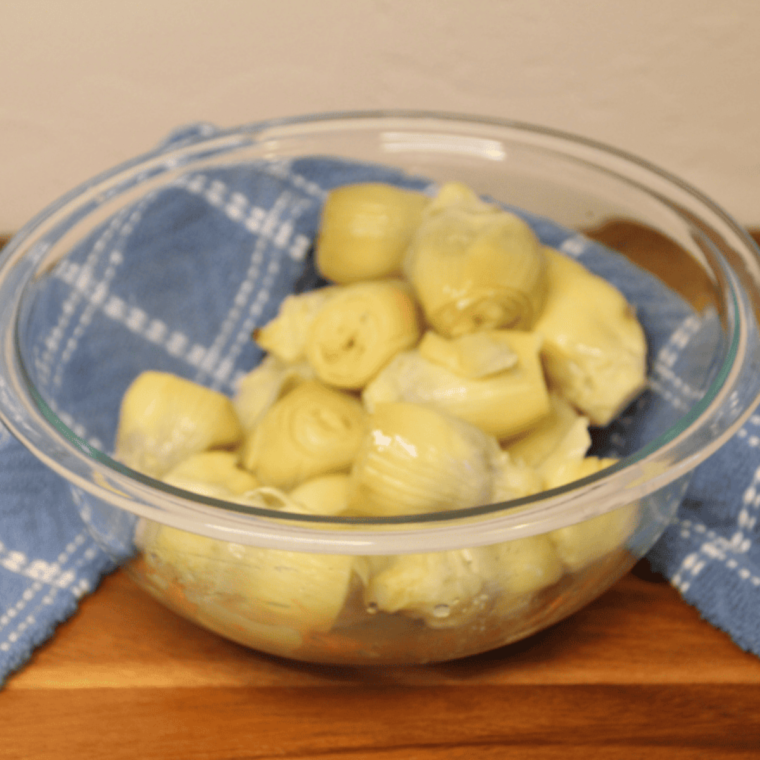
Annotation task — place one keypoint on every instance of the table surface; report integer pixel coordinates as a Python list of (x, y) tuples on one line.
[(637, 673)]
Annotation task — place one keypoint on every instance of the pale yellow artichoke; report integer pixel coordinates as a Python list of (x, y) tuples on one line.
[(502, 404), (271, 379), (585, 542), (285, 336), (475, 267), (365, 230), (313, 430), (594, 348), (415, 459), (164, 419), (443, 589), (359, 330), (302, 591), (212, 473)]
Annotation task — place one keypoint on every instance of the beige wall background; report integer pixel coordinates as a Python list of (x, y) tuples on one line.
[(86, 84)]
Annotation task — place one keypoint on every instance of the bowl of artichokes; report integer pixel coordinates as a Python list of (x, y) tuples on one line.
[(371, 388)]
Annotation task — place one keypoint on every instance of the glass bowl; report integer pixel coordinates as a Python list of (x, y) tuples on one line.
[(76, 331)]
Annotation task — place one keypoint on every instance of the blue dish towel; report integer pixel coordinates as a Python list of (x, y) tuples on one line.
[(260, 219)]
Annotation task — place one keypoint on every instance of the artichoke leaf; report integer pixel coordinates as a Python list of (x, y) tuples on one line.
[(212, 473), (514, 479), (258, 389), (475, 355), (563, 433), (285, 335)]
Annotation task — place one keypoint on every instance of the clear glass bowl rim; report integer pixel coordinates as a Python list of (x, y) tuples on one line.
[(639, 475)]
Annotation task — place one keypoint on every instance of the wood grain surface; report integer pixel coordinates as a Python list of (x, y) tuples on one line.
[(636, 674)]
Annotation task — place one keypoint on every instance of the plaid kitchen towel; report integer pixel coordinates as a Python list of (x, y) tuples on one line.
[(239, 238)]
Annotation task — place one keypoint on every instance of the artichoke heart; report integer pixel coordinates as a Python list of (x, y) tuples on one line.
[(164, 418), (585, 542), (474, 355), (285, 335), (415, 459), (301, 590), (365, 230), (263, 385), (514, 479), (594, 348), (459, 195), (212, 473), (475, 267), (324, 495), (444, 589), (313, 430), (561, 435), (358, 331), (197, 562), (522, 568), (503, 404), (264, 586), (526, 565)]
